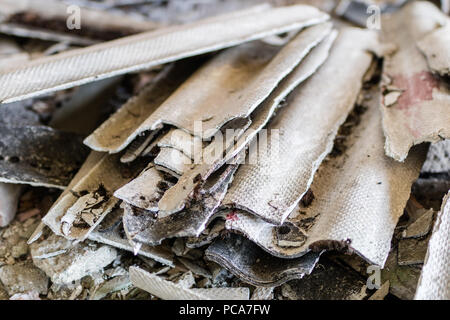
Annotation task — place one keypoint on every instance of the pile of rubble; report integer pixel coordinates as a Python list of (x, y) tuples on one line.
[(281, 154)]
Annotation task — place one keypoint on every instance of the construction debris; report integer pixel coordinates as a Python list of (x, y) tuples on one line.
[(65, 262), (171, 291), (414, 103), (291, 169), (434, 282), (22, 278), (272, 152), (436, 47), (255, 266)]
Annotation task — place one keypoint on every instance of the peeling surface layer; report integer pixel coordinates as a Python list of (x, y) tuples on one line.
[(305, 131), (358, 198), (39, 156), (415, 104), (252, 265), (153, 48), (434, 283), (167, 290)]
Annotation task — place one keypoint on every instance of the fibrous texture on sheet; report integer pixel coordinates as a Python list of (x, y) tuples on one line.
[(306, 128), (153, 48), (415, 104), (358, 198), (229, 86), (141, 226), (434, 283), (172, 291)]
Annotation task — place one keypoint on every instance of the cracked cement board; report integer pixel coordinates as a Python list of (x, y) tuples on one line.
[(414, 103), (92, 18), (73, 261), (9, 199), (240, 78), (89, 197), (174, 199), (115, 237), (328, 281), (145, 191), (306, 128), (123, 127), (434, 282), (438, 158), (143, 228), (152, 48), (168, 290), (253, 265), (361, 216), (11, 54), (182, 141), (39, 156), (182, 193), (436, 48)]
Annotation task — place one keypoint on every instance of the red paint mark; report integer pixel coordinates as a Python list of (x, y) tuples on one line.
[(232, 216), (416, 88)]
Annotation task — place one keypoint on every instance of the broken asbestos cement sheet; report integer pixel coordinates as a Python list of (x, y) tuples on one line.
[(415, 104), (176, 197), (142, 227), (89, 197), (168, 290), (39, 155), (253, 265), (436, 48), (240, 78), (113, 235), (144, 191), (434, 283), (306, 127), (152, 48), (358, 198)]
